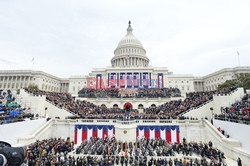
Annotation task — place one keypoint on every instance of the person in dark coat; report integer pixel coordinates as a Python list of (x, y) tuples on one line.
[(239, 162)]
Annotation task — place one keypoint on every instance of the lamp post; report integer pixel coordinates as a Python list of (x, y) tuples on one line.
[(212, 110)]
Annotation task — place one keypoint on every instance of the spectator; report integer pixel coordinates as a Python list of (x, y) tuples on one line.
[(239, 162)]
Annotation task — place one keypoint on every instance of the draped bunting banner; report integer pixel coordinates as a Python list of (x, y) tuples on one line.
[(85, 132), (129, 80), (136, 80), (160, 80), (113, 80), (145, 80), (98, 81), (122, 80), (169, 133)]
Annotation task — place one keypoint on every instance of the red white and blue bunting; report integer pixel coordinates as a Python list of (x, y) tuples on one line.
[(169, 133), (85, 132)]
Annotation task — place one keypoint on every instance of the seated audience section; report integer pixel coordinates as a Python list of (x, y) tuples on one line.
[(238, 112), (10, 110)]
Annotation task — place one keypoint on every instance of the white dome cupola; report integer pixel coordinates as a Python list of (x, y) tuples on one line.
[(129, 52)]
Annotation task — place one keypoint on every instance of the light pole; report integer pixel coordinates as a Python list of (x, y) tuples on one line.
[(212, 110)]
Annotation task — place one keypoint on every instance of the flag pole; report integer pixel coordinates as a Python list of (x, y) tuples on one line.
[(238, 57), (32, 64)]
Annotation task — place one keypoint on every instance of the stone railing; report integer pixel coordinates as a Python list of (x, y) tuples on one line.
[(247, 122)]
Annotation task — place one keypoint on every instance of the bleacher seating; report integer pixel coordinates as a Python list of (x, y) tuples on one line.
[(169, 110), (11, 111), (238, 112), (130, 93)]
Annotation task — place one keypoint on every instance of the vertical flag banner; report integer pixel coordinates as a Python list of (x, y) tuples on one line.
[(160, 80), (145, 80), (85, 132), (129, 80), (98, 81), (113, 80), (122, 80), (169, 133), (136, 80)]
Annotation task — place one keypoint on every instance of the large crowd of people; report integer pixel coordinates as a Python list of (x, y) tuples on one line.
[(11, 111), (169, 110), (130, 93), (147, 147), (99, 93), (238, 112), (110, 152), (143, 149), (102, 152), (50, 152)]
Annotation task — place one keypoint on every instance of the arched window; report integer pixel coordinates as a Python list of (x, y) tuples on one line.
[(153, 105), (115, 106), (140, 106)]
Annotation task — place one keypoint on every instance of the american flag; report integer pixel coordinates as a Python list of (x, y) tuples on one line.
[(145, 79), (129, 80), (136, 79), (122, 79), (160, 81), (113, 80)]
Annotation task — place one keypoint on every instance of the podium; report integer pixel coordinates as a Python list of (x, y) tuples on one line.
[(125, 131)]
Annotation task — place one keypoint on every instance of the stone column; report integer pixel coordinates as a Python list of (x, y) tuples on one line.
[(7, 82), (3, 81)]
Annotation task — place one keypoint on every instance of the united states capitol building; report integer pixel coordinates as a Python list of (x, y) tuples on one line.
[(129, 69)]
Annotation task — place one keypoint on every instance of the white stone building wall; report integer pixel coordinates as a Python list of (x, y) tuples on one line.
[(17, 79)]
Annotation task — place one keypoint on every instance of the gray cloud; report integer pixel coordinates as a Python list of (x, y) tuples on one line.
[(72, 37)]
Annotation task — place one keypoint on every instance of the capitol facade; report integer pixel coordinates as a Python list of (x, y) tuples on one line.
[(129, 69)]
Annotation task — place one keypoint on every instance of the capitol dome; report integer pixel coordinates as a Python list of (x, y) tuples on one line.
[(129, 52)]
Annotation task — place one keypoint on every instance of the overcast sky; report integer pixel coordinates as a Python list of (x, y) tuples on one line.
[(68, 37)]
